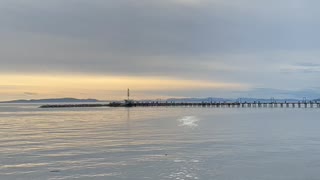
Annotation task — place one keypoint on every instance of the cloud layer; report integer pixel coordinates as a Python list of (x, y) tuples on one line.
[(259, 44)]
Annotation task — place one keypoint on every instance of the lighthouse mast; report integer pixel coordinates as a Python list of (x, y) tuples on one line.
[(128, 94)]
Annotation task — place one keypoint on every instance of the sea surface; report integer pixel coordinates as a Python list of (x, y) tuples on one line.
[(159, 143)]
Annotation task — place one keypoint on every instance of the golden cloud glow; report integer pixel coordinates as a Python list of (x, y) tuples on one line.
[(97, 86)]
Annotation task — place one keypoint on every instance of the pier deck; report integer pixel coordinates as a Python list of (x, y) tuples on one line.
[(310, 104)]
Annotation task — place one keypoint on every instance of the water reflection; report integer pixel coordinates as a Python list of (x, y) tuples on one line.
[(189, 121), (128, 119), (187, 170), (159, 143)]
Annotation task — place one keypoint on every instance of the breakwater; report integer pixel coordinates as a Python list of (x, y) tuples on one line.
[(310, 104), (73, 105)]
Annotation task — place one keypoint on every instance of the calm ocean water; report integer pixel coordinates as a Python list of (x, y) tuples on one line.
[(158, 143)]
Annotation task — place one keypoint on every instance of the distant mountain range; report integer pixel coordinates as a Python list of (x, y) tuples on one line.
[(56, 100), (199, 99)]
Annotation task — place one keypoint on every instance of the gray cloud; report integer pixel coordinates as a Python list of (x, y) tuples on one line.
[(151, 27), (30, 93), (303, 68), (310, 94), (308, 64)]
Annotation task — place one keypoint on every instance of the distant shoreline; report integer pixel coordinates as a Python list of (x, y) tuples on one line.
[(54, 100), (209, 99)]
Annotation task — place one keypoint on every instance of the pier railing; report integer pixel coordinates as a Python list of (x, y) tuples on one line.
[(232, 104)]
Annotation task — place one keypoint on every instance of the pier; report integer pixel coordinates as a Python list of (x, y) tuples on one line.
[(310, 104), (237, 104)]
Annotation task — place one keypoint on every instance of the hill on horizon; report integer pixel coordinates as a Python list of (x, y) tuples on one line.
[(52, 100)]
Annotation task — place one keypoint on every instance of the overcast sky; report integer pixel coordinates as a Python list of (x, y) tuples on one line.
[(167, 48)]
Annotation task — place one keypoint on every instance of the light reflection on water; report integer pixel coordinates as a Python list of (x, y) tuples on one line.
[(158, 143), (189, 121)]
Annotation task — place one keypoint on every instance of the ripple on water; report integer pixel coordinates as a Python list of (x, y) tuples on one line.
[(188, 170)]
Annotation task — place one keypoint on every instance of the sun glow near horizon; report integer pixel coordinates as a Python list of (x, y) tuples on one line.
[(99, 86)]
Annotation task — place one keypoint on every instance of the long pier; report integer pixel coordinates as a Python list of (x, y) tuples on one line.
[(310, 104)]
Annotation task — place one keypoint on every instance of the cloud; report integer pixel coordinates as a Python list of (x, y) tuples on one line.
[(235, 42), (303, 68), (311, 93), (308, 64), (30, 93), (102, 87), (163, 27)]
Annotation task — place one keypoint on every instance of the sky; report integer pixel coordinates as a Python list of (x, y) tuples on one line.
[(159, 49)]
